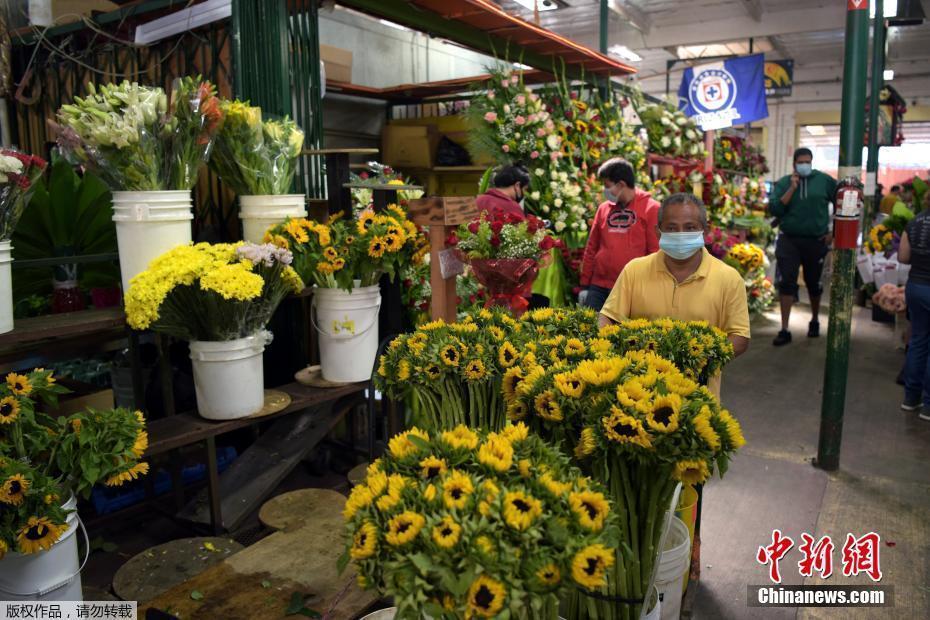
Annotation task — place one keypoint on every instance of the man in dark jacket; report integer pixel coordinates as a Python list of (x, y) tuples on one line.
[(801, 201), (510, 183)]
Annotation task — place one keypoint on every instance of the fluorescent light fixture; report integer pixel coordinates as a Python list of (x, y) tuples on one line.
[(888, 75), (183, 20), (889, 8), (816, 130), (520, 65), (544, 5), (622, 51), (394, 25)]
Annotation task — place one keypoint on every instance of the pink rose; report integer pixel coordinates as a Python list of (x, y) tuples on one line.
[(519, 120), (490, 117), (554, 155), (540, 132), (506, 148), (550, 125), (505, 82), (534, 97), (491, 94), (520, 99), (534, 154)]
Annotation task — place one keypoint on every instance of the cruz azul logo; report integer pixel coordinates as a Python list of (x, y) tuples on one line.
[(712, 94)]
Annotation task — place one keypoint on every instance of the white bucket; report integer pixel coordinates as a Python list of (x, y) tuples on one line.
[(148, 224), (348, 328), (656, 612), (229, 376), (676, 555), (53, 575), (259, 213), (6, 287)]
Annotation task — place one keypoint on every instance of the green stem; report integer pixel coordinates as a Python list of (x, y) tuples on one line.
[(635, 572)]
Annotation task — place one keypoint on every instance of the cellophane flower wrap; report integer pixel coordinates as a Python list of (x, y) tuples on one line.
[(18, 175), (45, 459), (254, 156), (343, 250), (469, 524), (135, 139), (207, 292)]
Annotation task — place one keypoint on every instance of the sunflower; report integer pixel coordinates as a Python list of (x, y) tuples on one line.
[(404, 527), (704, 429), (515, 433), (429, 493), (377, 247), (376, 480), (141, 444), (330, 254), (365, 222), (450, 355), (496, 452), (516, 411), (547, 407), (365, 541), (39, 534), (511, 382), (475, 370), (549, 575), (574, 347), (681, 385), (523, 466), (569, 384), (401, 446), (461, 437), (403, 370), (447, 532), (360, 497), (395, 486), (554, 486), (456, 489), (601, 371), (433, 371), (528, 384), (393, 243), (297, 231), (590, 565), (486, 546), (733, 431), (520, 509), (691, 472), (14, 490), (591, 508), (430, 467), (622, 428), (19, 384), (9, 409), (497, 333), (635, 389), (587, 443), (507, 355), (486, 597), (139, 469), (664, 413)]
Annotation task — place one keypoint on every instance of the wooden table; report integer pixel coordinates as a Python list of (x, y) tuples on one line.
[(337, 175)]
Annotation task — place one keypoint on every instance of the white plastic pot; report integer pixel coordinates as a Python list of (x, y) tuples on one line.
[(348, 327), (149, 224), (673, 563), (259, 213), (656, 612), (6, 287), (229, 376), (53, 575)]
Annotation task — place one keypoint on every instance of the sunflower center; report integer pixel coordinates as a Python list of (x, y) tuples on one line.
[(520, 505), (484, 597), (15, 487), (624, 430), (37, 532), (446, 531), (574, 384), (591, 568), (403, 527), (591, 509), (663, 414), (508, 356), (432, 471), (6, 409), (361, 539), (456, 493)]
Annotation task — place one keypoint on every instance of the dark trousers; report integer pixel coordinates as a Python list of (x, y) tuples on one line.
[(791, 253)]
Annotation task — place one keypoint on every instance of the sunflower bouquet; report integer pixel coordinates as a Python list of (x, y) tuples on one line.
[(464, 523), (207, 292), (640, 426), (256, 157), (745, 258), (349, 252), (44, 460)]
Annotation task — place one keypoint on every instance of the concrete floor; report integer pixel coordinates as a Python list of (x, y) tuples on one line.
[(883, 484)]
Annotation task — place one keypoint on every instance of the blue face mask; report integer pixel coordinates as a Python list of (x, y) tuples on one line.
[(804, 169), (681, 245), (608, 196)]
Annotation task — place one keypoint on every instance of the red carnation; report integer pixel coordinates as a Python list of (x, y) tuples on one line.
[(547, 243), (452, 239), (363, 175), (473, 228), (496, 226), (496, 241)]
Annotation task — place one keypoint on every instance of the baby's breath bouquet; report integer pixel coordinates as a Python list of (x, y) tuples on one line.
[(44, 460), (256, 157), (210, 292), (464, 524)]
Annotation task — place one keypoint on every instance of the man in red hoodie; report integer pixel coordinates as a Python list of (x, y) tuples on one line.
[(624, 228), (510, 183)]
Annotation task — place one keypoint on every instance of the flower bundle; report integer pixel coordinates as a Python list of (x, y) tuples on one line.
[(18, 174), (207, 292), (43, 460), (640, 426), (760, 293), (739, 155), (343, 253), (750, 261), (745, 258), (134, 140), (469, 524), (256, 157), (503, 235), (671, 133), (882, 240), (719, 241), (890, 298)]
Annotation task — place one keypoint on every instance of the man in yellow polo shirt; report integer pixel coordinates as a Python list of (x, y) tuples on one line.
[(682, 280)]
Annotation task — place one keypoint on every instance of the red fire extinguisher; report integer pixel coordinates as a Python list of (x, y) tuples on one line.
[(847, 211)]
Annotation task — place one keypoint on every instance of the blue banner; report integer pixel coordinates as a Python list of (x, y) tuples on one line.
[(725, 93)]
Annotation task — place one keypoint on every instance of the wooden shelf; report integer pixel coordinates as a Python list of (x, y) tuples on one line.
[(63, 326), (384, 187), (359, 151)]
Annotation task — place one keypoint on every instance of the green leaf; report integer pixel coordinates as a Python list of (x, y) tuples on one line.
[(296, 604), (196, 595), (419, 442), (266, 583), (422, 562), (343, 562)]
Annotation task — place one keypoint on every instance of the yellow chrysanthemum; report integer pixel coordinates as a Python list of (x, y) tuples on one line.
[(400, 445), (235, 281), (569, 384), (664, 413), (432, 466), (447, 532), (461, 437), (19, 384), (456, 489), (496, 452), (486, 597), (547, 407), (624, 429), (403, 528), (365, 541), (589, 566), (521, 509), (9, 409), (591, 508), (691, 471)]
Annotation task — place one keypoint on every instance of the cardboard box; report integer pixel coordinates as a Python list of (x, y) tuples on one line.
[(409, 146), (97, 400), (58, 12), (337, 63)]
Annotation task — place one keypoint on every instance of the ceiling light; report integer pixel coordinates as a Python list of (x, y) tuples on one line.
[(888, 75), (622, 51), (815, 130), (183, 20), (544, 5), (889, 8)]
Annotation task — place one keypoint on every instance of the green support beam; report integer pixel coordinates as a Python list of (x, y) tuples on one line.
[(878, 82), (852, 126), (604, 24), (261, 54)]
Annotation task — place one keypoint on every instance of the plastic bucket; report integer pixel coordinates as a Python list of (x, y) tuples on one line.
[(656, 612), (229, 376), (687, 512), (673, 563), (6, 287), (348, 328), (53, 575), (259, 213), (149, 224)]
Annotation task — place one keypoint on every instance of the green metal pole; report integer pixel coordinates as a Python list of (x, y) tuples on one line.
[(852, 126), (605, 21), (878, 70)]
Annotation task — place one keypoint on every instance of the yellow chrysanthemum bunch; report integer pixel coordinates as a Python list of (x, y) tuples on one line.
[(490, 521)]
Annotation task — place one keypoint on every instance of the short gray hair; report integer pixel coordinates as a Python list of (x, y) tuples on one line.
[(683, 198)]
